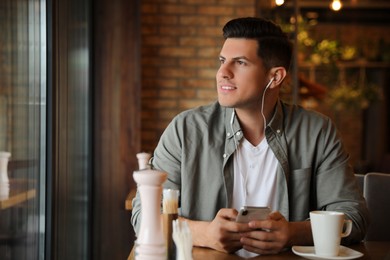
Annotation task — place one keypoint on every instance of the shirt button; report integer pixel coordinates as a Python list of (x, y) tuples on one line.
[(228, 134), (224, 155), (278, 131), (238, 133)]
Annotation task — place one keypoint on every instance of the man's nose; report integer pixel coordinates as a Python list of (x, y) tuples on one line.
[(224, 72)]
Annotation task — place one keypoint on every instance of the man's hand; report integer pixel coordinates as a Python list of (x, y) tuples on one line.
[(222, 233), (272, 235)]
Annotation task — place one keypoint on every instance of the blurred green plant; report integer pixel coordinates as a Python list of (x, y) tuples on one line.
[(323, 52), (326, 52), (353, 97)]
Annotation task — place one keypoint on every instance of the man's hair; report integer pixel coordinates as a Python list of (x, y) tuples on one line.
[(274, 47)]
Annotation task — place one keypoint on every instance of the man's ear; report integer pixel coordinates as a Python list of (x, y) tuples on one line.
[(278, 73)]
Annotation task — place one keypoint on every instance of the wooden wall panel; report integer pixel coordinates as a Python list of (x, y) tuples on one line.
[(117, 123)]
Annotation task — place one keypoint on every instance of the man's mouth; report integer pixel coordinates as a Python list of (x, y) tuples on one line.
[(227, 87)]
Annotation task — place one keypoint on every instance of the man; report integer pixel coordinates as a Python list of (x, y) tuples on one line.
[(250, 148)]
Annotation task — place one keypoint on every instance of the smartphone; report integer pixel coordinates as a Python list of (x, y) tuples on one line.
[(248, 213)]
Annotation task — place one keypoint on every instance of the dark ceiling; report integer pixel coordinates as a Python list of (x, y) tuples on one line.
[(353, 11)]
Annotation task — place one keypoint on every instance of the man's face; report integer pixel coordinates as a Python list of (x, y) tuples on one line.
[(241, 76)]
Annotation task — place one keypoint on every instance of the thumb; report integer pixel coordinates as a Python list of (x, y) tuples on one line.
[(275, 215)]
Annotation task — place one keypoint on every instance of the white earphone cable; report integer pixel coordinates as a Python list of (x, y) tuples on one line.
[(262, 103)]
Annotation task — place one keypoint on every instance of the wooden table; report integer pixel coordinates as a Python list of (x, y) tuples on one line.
[(371, 249), (129, 199), (20, 191)]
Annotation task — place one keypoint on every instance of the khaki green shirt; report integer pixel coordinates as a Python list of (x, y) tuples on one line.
[(196, 151)]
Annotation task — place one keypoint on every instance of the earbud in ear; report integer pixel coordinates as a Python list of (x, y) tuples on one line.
[(269, 84)]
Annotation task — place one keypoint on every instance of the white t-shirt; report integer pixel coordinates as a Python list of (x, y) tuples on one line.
[(254, 178)]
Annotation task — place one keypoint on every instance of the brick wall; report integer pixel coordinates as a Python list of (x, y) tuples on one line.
[(181, 40)]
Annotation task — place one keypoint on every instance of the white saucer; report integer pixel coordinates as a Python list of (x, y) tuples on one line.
[(309, 253)]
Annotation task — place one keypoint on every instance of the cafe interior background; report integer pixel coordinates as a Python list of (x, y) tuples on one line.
[(85, 85)]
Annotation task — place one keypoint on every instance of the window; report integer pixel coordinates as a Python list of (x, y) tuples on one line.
[(23, 102), (45, 124)]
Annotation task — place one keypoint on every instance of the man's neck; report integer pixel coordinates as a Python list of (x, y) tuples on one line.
[(252, 123)]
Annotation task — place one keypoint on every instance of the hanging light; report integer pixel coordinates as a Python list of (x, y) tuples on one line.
[(279, 2), (336, 5)]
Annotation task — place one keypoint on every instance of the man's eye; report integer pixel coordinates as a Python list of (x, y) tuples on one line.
[(222, 61), (240, 62)]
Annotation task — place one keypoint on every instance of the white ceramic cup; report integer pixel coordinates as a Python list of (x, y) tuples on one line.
[(327, 228)]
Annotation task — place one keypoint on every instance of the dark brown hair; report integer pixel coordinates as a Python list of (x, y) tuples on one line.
[(274, 47)]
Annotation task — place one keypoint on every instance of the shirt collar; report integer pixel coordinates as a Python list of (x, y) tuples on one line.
[(276, 122), (233, 127)]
